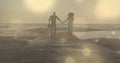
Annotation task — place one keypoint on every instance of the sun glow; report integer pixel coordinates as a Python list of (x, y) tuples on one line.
[(39, 6), (107, 9), (86, 52)]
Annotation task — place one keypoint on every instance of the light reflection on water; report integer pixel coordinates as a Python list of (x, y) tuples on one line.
[(88, 53), (70, 60)]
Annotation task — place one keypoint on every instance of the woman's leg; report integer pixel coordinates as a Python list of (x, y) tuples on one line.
[(70, 31)]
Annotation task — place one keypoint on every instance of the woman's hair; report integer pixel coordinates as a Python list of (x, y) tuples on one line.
[(70, 14)]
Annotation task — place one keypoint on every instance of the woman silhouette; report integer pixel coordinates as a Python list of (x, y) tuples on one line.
[(70, 20)]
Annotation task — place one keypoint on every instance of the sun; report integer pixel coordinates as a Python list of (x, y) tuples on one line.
[(39, 6)]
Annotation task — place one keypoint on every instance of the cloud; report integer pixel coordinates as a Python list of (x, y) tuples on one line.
[(108, 9)]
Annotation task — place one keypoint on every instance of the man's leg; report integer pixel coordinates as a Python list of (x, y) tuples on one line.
[(51, 31), (54, 31)]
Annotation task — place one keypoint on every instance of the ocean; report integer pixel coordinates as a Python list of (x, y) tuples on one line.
[(80, 30)]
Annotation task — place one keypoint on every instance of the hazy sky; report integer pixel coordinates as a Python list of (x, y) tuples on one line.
[(38, 11)]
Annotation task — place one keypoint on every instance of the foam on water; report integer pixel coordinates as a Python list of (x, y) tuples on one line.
[(98, 34)]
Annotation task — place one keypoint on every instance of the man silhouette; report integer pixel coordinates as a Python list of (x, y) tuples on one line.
[(52, 24)]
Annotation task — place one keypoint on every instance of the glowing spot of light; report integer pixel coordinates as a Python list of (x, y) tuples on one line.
[(86, 52), (70, 60), (113, 33), (96, 40)]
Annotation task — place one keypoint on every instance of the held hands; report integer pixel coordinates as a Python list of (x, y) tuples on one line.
[(63, 22)]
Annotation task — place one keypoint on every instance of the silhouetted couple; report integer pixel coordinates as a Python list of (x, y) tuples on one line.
[(52, 24)]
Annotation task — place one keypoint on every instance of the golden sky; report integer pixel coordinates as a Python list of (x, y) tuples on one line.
[(38, 11)]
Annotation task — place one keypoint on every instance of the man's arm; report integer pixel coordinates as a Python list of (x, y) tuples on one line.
[(59, 19), (49, 19), (49, 24)]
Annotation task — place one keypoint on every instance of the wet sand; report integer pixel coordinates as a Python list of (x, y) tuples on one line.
[(59, 50)]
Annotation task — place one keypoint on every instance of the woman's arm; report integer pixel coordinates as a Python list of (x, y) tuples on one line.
[(66, 20)]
